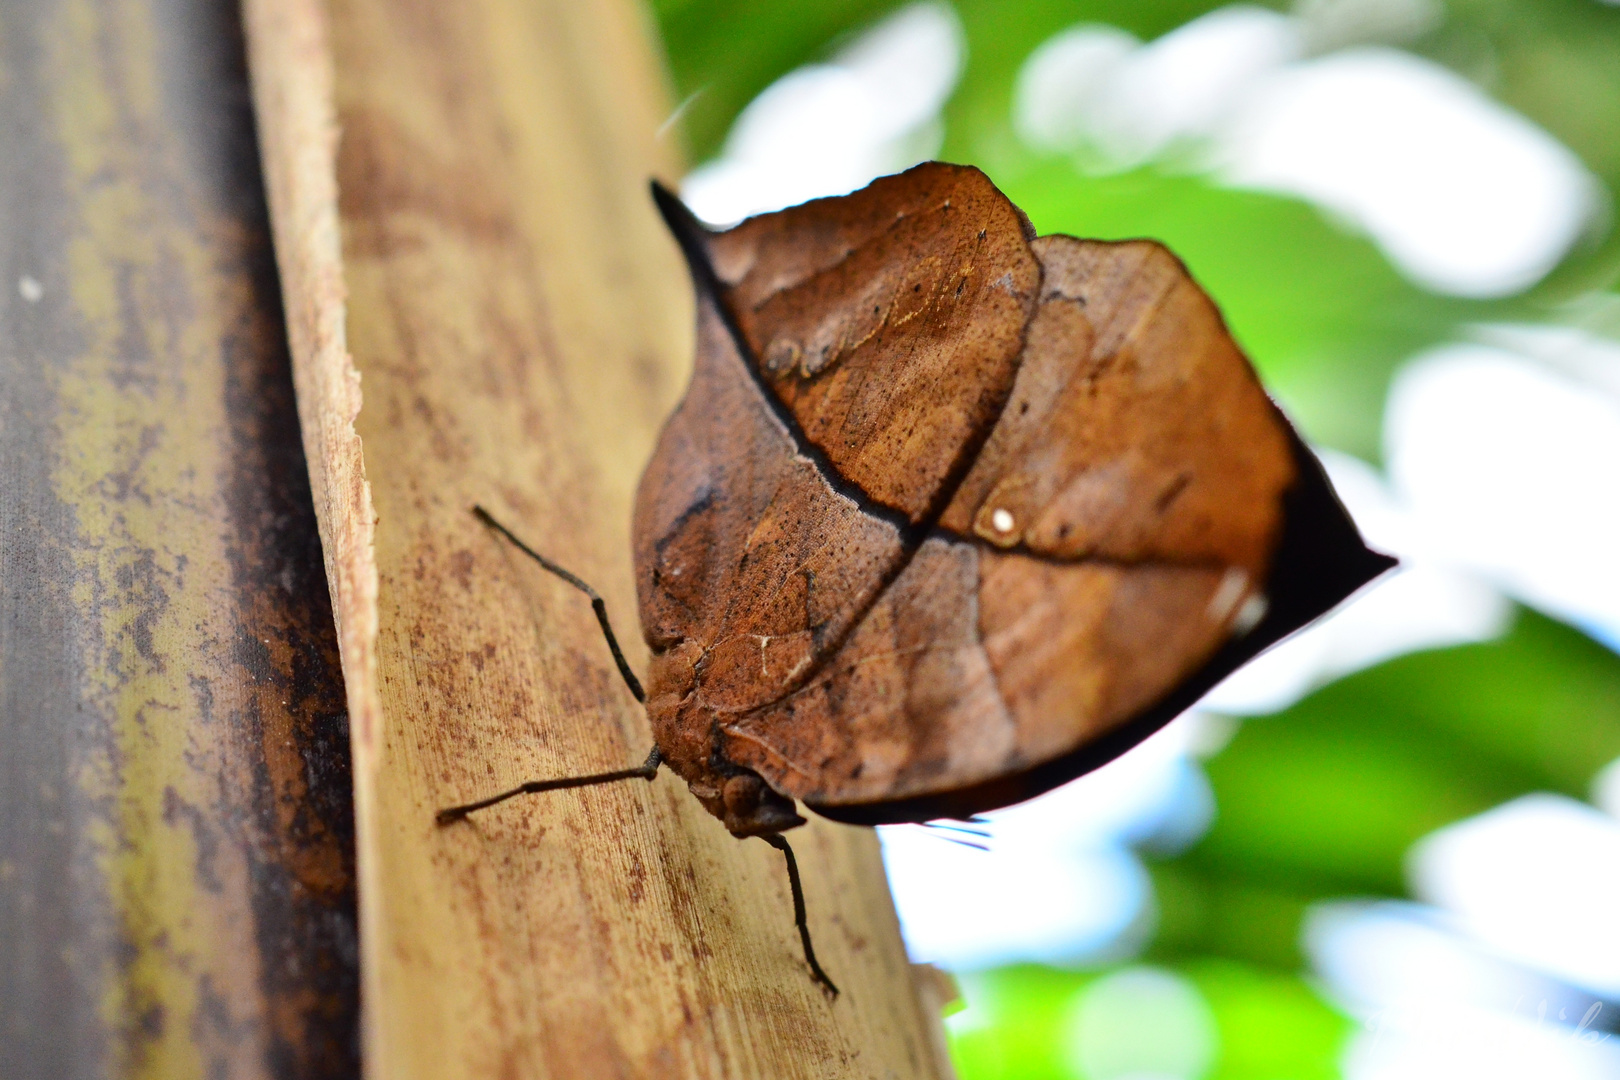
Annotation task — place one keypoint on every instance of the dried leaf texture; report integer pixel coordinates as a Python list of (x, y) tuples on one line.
[(888, 322), (951, 514), (748, 563), (1137, 431)]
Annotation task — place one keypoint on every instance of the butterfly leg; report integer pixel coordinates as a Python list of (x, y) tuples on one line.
[(645, 771), (598, 605), (777, 841)]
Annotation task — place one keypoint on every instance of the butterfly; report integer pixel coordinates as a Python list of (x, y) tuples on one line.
[(951, 513)]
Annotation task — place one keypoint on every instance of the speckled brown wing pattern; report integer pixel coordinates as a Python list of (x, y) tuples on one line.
[(888, 322), (749, 565), (950, 514)]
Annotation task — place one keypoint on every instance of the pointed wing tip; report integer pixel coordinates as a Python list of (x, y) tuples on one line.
[(690, 233), (662, 195), (676, 214)]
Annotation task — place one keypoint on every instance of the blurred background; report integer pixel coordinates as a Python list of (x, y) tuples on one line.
[(1389, 848)]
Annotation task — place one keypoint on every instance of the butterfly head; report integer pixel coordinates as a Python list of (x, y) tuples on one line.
[(749, 807)]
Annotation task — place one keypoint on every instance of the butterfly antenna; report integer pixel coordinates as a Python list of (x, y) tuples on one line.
[(983, 834), (777, 841), (949, 828), (961, 842), (598, 605), (966, 843), (943, 835)]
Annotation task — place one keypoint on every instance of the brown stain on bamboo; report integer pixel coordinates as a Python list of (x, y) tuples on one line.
[(197, 829), (521, 322)]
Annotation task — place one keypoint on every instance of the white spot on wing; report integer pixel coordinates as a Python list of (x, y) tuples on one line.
[(1249, 615), (1234, 583)]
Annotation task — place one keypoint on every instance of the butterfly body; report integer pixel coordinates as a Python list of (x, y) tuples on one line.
[(951, 513)]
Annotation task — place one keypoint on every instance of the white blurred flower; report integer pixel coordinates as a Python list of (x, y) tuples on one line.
[(1097, 86), (1536, 880), (1463, 195), (1063, 84), (1142, 1023), (1514, 470), (1586, 357), (1436, 1002), (827, 129)]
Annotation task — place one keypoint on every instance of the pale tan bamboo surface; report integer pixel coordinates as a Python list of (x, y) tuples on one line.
[(522, 325)]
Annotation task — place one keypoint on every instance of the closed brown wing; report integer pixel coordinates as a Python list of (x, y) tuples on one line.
[(947, 517), (1109, 556)]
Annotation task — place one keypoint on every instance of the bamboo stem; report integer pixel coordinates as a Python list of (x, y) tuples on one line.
[(176, 878), (523, 325)]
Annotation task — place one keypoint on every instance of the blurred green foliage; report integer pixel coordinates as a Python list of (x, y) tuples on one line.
[(1268, 1024), (1324, 799), (1323, 315)]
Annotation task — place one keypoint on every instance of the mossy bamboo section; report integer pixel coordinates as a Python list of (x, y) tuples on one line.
[(176, 860), (521, 325)]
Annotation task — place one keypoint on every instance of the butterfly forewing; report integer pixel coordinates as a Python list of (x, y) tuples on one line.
[(889, 323)]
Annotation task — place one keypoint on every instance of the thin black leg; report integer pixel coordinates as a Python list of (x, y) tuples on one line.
[(597, 603), (777, 841), (645, 771)]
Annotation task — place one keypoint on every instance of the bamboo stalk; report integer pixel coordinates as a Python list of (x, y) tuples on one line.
[(522, 326), (176, 878)]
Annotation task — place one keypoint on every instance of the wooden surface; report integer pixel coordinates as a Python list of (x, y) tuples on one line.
[(522, 325), (176, 860)]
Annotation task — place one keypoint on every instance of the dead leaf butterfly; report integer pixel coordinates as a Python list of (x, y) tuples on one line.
[(951, 513)]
